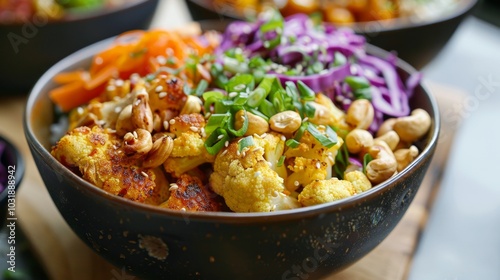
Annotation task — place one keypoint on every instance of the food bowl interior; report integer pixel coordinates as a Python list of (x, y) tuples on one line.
[(31, 48), (416, 40), (243, 245)]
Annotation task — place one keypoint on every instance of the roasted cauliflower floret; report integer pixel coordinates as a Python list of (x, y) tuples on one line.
[(310, 161), (93, 153), (274, 146), (190, 194), (247, 182), (323, 191), (189, 145)]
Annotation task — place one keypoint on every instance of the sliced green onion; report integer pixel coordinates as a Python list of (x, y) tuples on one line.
[(364, 93), (292, 143), (245, 142), (240, 83), (331, 134), (300, 131), (256, 112), (215, 121), (281, 161), (240, 132), (306, 93), (214, 142), (339, 59), (341, 161), (309, 110), (324, 140), (256, 97), (200, 89), (366, 159), (267, 108), (357, 82), (275, 23), (211, 98)]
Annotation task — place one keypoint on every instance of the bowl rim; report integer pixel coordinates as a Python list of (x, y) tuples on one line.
[(86, 54), (462, 8), (77, 18), (20, 166)]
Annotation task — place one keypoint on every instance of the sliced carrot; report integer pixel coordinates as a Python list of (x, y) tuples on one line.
[(101, 77), (68, 77)]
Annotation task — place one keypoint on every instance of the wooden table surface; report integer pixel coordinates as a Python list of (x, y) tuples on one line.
[(65, 257)]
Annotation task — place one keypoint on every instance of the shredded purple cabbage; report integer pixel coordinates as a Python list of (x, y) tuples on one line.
[(302, 40)]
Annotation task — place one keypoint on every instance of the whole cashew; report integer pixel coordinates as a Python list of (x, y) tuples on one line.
[(142, 116), (161, 150), (358, 140), (413, 127), (193, 105), (391, 138), (124, 122), (256, 124), (384, 164), (360, 114), (285, 122), (386, 126), (137, 142), (405, 156)]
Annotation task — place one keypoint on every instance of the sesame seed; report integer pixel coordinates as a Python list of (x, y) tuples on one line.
[(80, 110), (135, 134), (159, 89), (203, 133), (257, 174), (161, 59), (332, 160), (173, 187), (144, 174), (220, 136), (274, 207), (240, 140), (223, 152), (305, 119), (165, 125), (119, 83), (244, 153), (296, 183), (283, 138), (275, 193), (137, 102), (321, 113), (172, 121), (238, 153), (194, 128), (270, 164), (207, 115), (226, 144), (239, 87), (183, 209), (233, 94), (318, 165), (263, 135), (110, 88), (162, 94), (118, 109)]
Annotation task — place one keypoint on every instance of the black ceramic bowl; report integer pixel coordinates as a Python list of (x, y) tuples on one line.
[(415, 41), (29, 49), (156, 243), (13, 164)]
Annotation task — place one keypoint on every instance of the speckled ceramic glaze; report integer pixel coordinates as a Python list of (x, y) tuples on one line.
[(155, 243)]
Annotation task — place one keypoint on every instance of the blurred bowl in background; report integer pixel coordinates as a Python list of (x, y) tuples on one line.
[(28, 49), (11, 175), (417, 39)]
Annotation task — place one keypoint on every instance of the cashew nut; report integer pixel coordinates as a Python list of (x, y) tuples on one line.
[(405, 156), (256, 124), (142, 116), (161, 150), (137, 142), (285, 122), (386, 126), (157, 123), (360, 114), (192, 105), (383, 166), (124, 123), (358, 140), (391, 138), (413, 127)]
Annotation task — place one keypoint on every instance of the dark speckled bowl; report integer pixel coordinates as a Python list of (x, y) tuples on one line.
[(154, 243)]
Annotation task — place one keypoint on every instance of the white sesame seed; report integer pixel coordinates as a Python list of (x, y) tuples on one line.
[(332, 160), (161, 59), (223, 152), (296, 183), (239, 87), (194, 128), (144, 174), (80, 110), (256, 135), (240, 140), (275, 194), (283, 138), (135, 134), (207, 115), (159, 89), (173, 187), (318, 165), (305, 119), (203, 133), (263, 135), (165, 125), (226, 144), (172, 121), (137, 102), (233, 94), (274, 207), (220, 137), (118, 109), (257, 174), (244, 153), (238, 153), (183, 209), (119, 83), (162, 94), (270, 164)]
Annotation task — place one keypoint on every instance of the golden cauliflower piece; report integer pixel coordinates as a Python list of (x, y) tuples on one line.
[(247, 182), (322, 191), (189, 145), (92, 153), (189, 194)]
